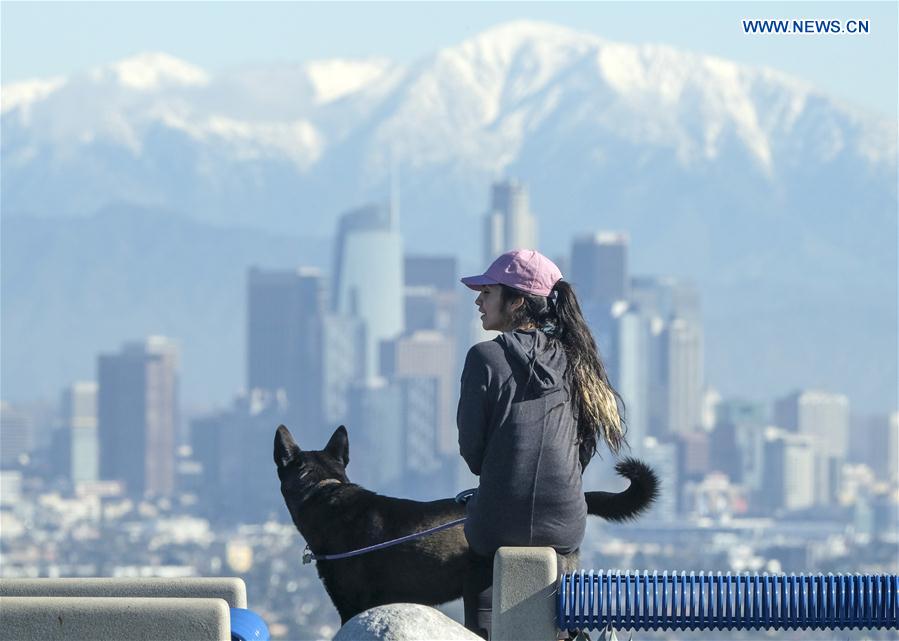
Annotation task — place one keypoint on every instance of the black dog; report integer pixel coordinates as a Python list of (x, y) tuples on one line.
[(335, 516)]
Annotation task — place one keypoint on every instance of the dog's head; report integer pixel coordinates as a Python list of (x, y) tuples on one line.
[(302, 472)]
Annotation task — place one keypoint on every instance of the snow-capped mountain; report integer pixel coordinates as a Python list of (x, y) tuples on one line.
[(757, 185), (154, 129)]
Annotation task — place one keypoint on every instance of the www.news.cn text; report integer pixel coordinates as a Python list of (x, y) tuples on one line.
[(807, 26)]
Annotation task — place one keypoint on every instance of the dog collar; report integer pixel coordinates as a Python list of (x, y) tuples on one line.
[(315, 489)]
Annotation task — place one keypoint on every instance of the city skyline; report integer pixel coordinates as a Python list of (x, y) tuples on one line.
[(613, 274), (260, 162), (649, 329)]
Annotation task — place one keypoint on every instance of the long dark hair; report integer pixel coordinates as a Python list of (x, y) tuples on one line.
[(600, 408)]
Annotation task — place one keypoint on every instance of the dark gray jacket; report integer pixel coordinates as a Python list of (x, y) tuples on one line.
[(517, 431)]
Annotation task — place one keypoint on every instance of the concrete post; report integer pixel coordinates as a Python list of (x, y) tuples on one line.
[(524, 595), (114, 619), (233, 590)]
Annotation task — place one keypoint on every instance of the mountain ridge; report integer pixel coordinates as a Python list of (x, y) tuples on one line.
[(753, 184)]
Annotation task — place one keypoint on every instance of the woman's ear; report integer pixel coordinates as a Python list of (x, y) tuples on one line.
[(516, 303)]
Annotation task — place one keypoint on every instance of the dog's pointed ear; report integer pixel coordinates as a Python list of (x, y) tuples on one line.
[(339, 446), (286, 449)]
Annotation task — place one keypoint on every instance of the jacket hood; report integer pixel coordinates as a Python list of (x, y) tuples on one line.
[(541, 361)]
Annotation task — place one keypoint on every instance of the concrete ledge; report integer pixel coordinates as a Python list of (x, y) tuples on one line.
[(232, 590), (524, 594), (114, 619)]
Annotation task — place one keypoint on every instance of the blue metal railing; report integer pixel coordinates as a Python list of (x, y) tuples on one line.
[(597, 600)]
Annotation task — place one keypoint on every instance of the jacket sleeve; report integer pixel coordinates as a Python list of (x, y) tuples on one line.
[(472, 416)]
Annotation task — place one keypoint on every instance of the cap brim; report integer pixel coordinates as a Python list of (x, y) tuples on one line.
[(476, 282)]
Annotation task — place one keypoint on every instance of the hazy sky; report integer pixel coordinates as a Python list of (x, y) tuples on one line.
[(41, 39)]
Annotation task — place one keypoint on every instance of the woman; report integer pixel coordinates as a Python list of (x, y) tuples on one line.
[(534, 404)]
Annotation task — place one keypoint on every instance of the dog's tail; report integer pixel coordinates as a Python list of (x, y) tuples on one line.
[(632, 502)]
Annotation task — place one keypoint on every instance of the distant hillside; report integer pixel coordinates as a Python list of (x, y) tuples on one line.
[(73, 287)]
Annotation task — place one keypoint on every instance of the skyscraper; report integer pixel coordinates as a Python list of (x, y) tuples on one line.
[(431, 294), (343, 364), (630, 370), (789, 466), (17, 435), (438, 272), (428, 354), (666, 297), (683, 342), (284, 342), (369, 276), (821, 415), (676, 376), (824, 418), (78, 411), (233, 448), (509, 223), (893, 448), (421, 404), (137, 408), (599, 267), (740, 424), (377, 429), (663, 458)]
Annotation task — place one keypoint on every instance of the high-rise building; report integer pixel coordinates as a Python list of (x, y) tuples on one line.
[(421, 402), (821, 415), (431, 299), (78, 412), (749, 419), (870, 443), (666, 297), (662, 457), (343, 364), (137, 411), (233, 448), (10, 488), (824, 418), (740, 429), (684, 359), (376, 430), (630, 370), (17, 434), (893, 448), (428, 354), (509, 224), (421, 309), (369, 276), (694, 455), (599, 267), (284, 342), (789, 471), (675, 396), (438, 272)]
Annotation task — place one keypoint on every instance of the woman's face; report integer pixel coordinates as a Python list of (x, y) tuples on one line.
[(494, 315)]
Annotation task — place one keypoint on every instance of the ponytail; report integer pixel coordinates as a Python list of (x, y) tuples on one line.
[(559, 316), (598, 402)]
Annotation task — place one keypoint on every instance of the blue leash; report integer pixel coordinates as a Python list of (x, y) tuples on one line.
[(309, 557)]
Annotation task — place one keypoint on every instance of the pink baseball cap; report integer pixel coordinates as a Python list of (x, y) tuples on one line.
[(524, 269)]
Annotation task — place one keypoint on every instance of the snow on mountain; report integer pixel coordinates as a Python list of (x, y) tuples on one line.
[(486, 106), (151, 71), (21, 95), (250, 140), (335, 79)]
